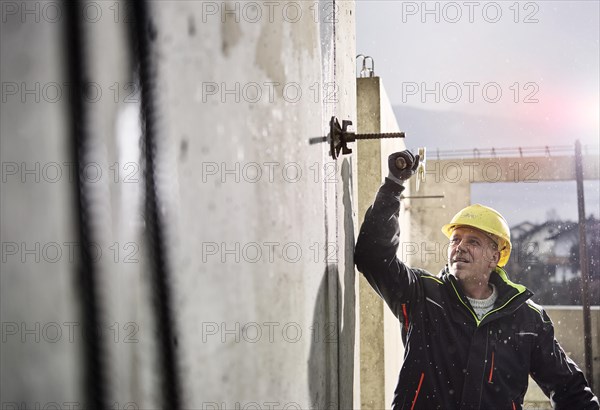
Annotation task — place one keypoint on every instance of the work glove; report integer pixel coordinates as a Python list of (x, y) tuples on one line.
[(402, 165)]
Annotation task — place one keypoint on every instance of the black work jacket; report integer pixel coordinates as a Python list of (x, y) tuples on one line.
[(452, 359)]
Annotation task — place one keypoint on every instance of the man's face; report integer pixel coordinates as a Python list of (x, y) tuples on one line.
[(472, 255)]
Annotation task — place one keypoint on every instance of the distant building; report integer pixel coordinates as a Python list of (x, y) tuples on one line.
[(555, 245), (521, 229), (566, 250)]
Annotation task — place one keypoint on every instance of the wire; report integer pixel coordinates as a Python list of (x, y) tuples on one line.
[(94, 364), (143, 34)]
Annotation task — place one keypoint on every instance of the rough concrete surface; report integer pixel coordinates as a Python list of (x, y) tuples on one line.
[(261, 224)]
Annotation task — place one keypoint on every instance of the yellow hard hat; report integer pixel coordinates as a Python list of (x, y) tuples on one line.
[(487, 220)]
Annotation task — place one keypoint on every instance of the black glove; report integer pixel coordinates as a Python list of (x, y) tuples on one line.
[(402, 166)]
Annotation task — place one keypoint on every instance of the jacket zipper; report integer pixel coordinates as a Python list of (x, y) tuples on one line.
[(417, 392), (405, 316), (492, 371)]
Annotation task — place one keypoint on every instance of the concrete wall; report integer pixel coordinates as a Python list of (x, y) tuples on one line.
[(296, 300), (261, 225), (37, 291), (42, 340), (381, 349), (568, 326)]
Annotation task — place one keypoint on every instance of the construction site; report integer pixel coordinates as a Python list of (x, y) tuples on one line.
[(184, 184)]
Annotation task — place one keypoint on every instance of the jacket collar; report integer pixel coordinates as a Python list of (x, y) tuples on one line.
[(511, 295)]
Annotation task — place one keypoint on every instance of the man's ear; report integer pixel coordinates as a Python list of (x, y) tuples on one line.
[(494, 259), (492, 254)]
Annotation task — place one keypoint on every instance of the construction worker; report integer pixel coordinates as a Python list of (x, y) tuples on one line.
[(472, 337)]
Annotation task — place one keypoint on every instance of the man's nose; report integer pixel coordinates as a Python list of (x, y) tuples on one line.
[(461, 246)]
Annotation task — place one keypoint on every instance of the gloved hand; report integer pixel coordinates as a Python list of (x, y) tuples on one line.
[(402, 165)]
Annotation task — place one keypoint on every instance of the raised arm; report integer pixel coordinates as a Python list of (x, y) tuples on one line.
[(377, 245)]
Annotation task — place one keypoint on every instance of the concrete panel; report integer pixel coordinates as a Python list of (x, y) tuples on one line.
[(39, 309), (568, 326), (347, 213), (426, 246), (380, 348), (372, 367), (258, 227), (519, 170), (38, 211), (392, 341)]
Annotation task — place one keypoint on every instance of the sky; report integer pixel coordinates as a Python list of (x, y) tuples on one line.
[(484, 74), (536, 201), (529, 67)]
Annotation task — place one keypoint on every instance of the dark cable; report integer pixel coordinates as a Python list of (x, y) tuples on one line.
[(143, 34), (94, 382)]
